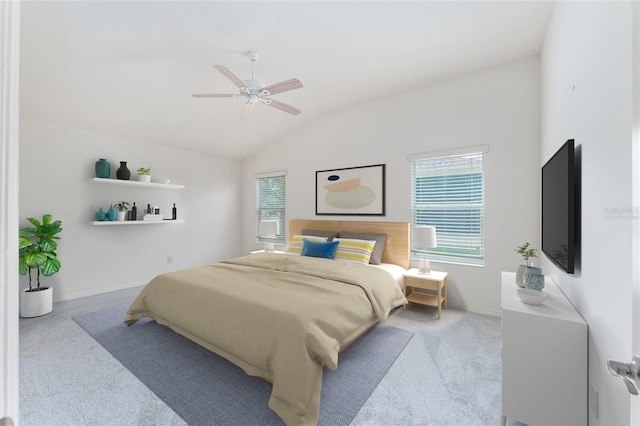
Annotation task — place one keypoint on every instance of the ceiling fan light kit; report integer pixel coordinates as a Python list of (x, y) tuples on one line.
[(255, 91)]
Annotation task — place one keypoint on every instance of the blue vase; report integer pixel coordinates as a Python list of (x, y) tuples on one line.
[(111, 213), (101, 215), (103, 168)]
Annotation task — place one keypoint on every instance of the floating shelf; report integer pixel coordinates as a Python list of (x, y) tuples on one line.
[(136, 183), (135, 222)]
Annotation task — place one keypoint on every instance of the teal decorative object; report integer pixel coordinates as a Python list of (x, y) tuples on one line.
[(101, 215), (533, 270), (534, 282), (111, 213), (533, 278), (103, 168)]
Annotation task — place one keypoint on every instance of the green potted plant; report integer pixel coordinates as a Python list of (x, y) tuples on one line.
[(527, 252), (39, 251), (144, 174), (121, 210)]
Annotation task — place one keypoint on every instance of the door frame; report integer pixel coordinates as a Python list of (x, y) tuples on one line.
[(9, 117), (634, 404)]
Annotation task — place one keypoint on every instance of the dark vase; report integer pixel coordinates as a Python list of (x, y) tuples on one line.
[(123, 173), (103, 168)]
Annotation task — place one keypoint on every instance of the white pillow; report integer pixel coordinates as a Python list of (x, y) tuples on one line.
[(295, 245), (353, 250)]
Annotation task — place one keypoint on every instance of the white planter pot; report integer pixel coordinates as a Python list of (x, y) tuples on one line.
[(36, 303), (144, 178), (520, 275), (121, 216)]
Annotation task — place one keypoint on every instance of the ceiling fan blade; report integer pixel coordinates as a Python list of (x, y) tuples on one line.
[(284, 107), (213, 95), (284, 86), (230, 75)]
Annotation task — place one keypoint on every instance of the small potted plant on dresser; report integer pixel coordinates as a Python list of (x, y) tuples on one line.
[(144, 174), (39, 251), (527, 253), (121, 210)]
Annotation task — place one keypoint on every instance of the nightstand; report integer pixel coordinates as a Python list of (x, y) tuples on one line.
[(435, 282)]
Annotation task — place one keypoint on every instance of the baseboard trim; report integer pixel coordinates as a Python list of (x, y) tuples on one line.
[(476, 309), (72, 296)]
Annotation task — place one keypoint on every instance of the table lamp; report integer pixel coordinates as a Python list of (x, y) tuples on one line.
[(269, 229), (424, 237)]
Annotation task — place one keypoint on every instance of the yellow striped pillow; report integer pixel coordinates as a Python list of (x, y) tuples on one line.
[(353, 250), (295, 245)]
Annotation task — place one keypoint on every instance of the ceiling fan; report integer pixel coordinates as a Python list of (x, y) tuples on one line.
[(254, 90)]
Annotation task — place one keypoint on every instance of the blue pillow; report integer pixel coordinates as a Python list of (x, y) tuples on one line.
[(325, 250)]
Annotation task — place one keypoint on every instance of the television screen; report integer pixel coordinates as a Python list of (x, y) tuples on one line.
[(558, 207)]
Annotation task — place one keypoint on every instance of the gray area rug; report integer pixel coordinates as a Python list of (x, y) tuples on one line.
[(205, 389)]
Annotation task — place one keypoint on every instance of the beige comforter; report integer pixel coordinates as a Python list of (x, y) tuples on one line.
[(281, 317)]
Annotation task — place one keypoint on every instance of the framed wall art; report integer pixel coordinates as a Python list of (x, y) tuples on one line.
[(351, 191)]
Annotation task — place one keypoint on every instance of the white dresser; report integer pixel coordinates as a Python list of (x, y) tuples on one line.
[(544, 358)]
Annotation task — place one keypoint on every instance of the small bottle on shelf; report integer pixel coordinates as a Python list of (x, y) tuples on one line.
[(134, 212), (174, 212)]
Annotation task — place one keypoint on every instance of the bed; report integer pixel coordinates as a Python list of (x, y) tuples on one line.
[(282, 317)]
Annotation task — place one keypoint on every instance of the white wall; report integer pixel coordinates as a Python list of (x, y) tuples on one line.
[(56, 165), (498, 107), (587, 86)]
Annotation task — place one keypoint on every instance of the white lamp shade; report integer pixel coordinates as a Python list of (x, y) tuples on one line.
[(269, 228), (424, 237)]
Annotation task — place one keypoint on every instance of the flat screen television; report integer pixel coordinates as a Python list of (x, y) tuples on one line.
[(559, 207)]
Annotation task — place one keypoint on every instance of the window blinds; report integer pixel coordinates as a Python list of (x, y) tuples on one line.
[(448, 193), (270, 204)]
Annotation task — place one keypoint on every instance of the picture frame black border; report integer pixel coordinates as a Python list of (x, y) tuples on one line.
[(384, 183)]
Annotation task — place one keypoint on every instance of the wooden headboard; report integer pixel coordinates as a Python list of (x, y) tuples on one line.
[(396, 250)]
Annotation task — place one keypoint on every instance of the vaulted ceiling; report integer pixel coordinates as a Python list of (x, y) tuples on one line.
[(129, 68)]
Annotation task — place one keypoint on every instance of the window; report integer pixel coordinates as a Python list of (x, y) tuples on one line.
[(270, 204), (447, 191)]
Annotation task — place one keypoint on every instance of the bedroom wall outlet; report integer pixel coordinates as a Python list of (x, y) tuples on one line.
[(169, 259), (593, 400)]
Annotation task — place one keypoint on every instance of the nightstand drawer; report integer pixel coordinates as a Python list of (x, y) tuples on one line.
[(421, 283)]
